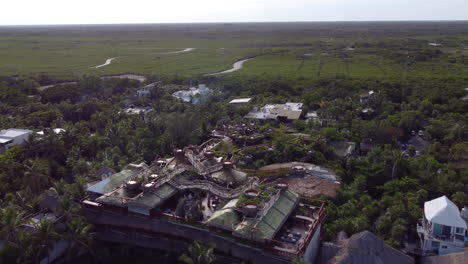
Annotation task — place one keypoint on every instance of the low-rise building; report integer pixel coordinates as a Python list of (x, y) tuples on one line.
[(240, 101), (12, 136), (193, 94), (280, 112), (442, 229)]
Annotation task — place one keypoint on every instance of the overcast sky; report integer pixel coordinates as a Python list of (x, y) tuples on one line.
[(27, 12)]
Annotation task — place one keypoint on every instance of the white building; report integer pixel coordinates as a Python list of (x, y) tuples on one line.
[(288, 111), (240, 101), (12, 136), (190, 94), (443, 229)]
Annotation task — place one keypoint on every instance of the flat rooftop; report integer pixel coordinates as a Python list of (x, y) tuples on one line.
[(14, 132), (240, 100)]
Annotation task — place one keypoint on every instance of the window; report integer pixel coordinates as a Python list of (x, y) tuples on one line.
[(435, 244), (445, 247), (459, 230)]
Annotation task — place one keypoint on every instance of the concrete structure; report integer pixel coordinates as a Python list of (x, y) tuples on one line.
[(197, 196), (280, 112), (12, 136), (442, 230)]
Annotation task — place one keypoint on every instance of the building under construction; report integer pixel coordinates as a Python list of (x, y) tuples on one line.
[(198, 196)]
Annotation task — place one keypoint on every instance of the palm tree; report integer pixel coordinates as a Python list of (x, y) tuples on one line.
[(30, 206), (44, 239), (68, 208), (80, 237), (199, 253), (396, 157), (36, 174), (10, 223)]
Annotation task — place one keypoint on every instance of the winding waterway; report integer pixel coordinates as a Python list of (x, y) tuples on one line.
[(235, 67), (108, 61)]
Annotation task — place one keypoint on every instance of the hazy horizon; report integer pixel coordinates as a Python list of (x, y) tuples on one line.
[(91, 12)]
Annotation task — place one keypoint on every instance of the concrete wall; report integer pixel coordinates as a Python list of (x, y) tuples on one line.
[(178, 230), (313, 248)]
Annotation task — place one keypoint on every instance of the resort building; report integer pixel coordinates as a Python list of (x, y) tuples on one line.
[(193, 94), (12, 136), (280, 112), (198, 196), (442, 230)]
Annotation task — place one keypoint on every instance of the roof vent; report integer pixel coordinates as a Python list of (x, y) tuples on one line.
[(132, 184), (153, 177), (179, 153), (250, 208), (209, 154), (228, 164), (251, 193)]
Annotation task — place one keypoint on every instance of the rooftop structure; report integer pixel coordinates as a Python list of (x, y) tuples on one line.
[(193, 94), (343, 149), (240, 101), (364, 98), (284, 112), (442, 230), (12, 136), (195, 187)]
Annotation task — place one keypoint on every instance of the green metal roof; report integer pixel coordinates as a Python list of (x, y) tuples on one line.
[(267, 227), (153, 198), (226, 217), (109, 184)]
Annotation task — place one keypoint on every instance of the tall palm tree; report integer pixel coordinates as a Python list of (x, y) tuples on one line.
[(44, 239), (199, 253), (36, 174), (30, 205), (396, 158), (10, 223), (78, 233)]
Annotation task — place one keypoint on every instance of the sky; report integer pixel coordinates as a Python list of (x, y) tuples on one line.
[(40, 12)]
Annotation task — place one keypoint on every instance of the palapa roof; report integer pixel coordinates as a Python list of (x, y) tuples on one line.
[(452, 258), (230, 175), (444, 212), (362, 248)]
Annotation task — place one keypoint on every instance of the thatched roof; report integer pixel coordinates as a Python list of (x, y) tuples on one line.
[(362, 248), (460, 257)]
